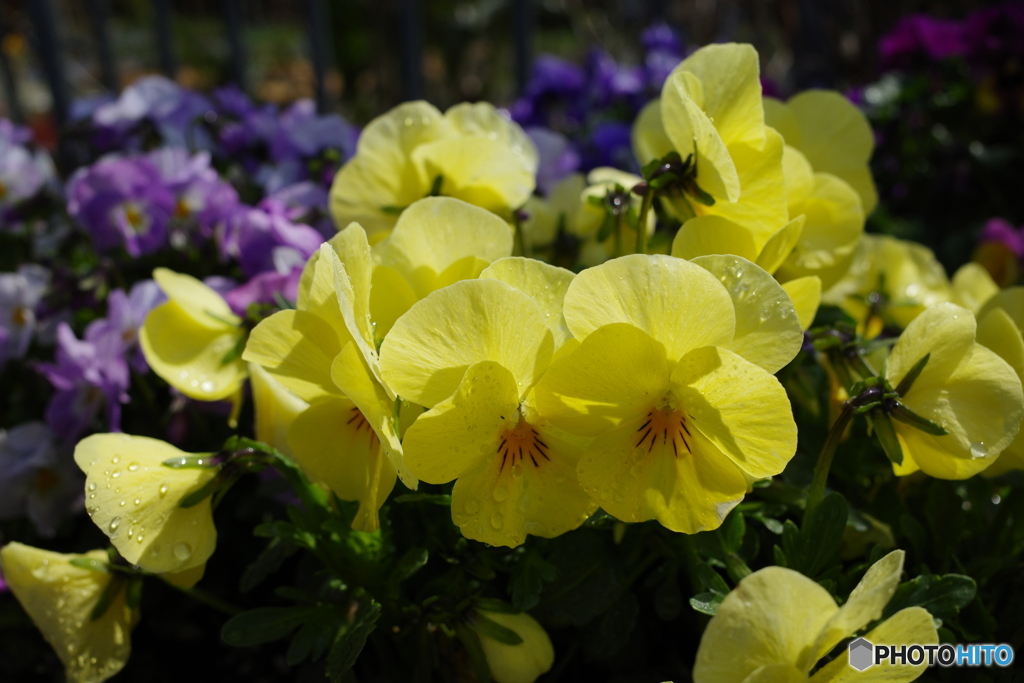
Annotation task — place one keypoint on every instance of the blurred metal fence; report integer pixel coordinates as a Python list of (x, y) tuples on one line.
[(51, 58)]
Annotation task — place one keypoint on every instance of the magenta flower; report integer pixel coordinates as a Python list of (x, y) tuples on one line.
[(921, 35), (999, 230)]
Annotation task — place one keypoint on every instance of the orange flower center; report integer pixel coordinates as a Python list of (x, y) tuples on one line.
[(666, 427), (521, 443)]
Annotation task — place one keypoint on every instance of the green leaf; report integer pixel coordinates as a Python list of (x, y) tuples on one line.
[(444, 500), (821, 535), (908, 380), (235, 352), (943, 596), (886, 435), (528, 578), (264, 625), (414, 560), (203, 492), (611, 632), (711, 579), (495, 605), (133, 595), (314, 636), (493, 630), (267, 562), (707, 602), (908, 416), (351, 638), (471, 641)]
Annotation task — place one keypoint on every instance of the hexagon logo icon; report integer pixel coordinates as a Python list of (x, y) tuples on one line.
[(861, 654)]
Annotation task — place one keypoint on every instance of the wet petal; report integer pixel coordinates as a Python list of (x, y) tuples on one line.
[(705, 235), (297, 348), (805, 293), (543, 283)]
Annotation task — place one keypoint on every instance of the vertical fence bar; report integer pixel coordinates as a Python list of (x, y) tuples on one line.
[(99, 15), (316, 15), (411, 49), (7, 73), (44, 23), (233, 23), (522, 21), (164, 39)]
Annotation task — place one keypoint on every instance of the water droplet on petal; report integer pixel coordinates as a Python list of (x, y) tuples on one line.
[(500, 494), (497, 520), (134, 466), (92, 486), (164, 488), (114, 523), (979, 450), (182, 551)]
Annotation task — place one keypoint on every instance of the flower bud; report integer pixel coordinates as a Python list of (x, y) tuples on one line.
[(62, 599), (521, 663), (134, 499)]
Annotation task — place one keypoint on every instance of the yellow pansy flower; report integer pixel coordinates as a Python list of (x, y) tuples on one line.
[(471, 353), (524, 662), (777, 624), (134, 499), (889, 283), (558, 210), (60, 598), (972, 287), (191, 339), (710, 114), (672, 382), (832, 134), (1000, 322), (833, 225), (707, 235), (275, 409), (346, 439), (471, 152), (964, 388)]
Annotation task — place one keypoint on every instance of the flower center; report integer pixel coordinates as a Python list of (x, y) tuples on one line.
[(665, 426), (181, 208), (520, 443), (19, 316), (136, 217), (3, 191)]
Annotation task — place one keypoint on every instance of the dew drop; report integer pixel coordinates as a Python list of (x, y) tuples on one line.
[(636, 470), (115, 459), (134, 466), (115, 474), (500, 494), (92, 486), (122, 503), (978, 450), (164, 488), (139, 538), (182, 551), (138, 501), (207, 387), (131, 531), (472, 507), (497, 520), (114, 523), (517, 470)]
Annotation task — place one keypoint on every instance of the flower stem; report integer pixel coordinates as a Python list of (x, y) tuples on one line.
[(641, 224), (524, 244), (835, 434)]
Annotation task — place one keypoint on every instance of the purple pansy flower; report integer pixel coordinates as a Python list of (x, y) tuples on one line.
[(262, 288), (557, 157), (260, 241), (199, 192), (125, 315), (918, 35), (999, 230), (302, 202), (170, 107), (122, 201), (38, 477), (88, 373), (20, 294)]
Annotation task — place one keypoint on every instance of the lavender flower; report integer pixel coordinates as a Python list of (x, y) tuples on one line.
[(921, 35), (171, 108), (88, 374), (23, 172), (125, 315), (1002, 231), (20, 294), (260, 241), (558, 157), (38, 478), (122, 201), (262, 289), (302, 202), (200, 194)]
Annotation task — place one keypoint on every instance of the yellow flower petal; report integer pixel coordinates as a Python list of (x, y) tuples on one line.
[(322, 297), (705, 235), (189, 355), (434, 233), (693, 134), (737, 406), (382, 174), (678, 303), (780, 245), (650, 141), (778, 116), (186, 578), (997, 332), (649, 468), (198, 300), (836, 138), (545, 284), (60, 597), (945, 331), (390, 296), (522, 663), (477, 170), (615, 375), (483, 119), (799, 175), (973, 286), (275, 407), (426, 353), (149, 529), (761, 205), (913, 625), (776, 673), (771, 617), (336, 447), (768, 331), (352, 375), (463, 430), (297, 348), (1010, 300), (865, 605), (805, 293)]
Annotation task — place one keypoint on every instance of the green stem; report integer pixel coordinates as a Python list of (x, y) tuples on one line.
[(524, 244), (817, 489), (641, 224), (202, 596), (618, 234)]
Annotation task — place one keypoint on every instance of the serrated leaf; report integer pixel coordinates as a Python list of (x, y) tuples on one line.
[(266, 563), (414, 560), (528, 579), (711, 579), (350, 639), (943, 596), (263, 625)]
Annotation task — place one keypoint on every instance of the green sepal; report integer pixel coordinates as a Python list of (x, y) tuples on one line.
[(493, 629), (886, 435), (495, 605), (203, 492), (90, 564), (435, 187), (235, 352), (908, 416), (107, 597), (190, 462), (471, 641), (911, 376)]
